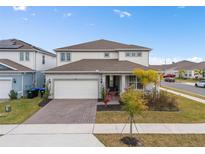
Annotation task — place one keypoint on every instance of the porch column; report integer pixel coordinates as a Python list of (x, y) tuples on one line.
[(104, 80), (123, 83)]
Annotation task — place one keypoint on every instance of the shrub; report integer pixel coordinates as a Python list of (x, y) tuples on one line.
[(47, 93), (163, 101), (13, 95)]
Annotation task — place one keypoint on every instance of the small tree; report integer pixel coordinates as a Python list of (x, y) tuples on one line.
[(134, 104), (181, 73), (147, 76), (13, 95), (47, 92), (198, 72)]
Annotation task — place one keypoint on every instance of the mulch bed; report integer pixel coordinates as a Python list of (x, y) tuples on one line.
[(117, 107), (42, 103)]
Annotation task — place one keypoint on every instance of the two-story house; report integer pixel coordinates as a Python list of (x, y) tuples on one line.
[(21, 66), (85, 69)]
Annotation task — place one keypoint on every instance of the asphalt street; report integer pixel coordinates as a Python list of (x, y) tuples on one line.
[(185, 87)]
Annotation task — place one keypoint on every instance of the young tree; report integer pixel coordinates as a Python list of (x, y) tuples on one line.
[(134, 104), (181, 73), (147, 76), (198, 72), (47, 92)]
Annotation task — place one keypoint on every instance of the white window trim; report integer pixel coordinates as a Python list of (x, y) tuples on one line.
[(133, 54), (105, 54), (65, 59), (24, 56)]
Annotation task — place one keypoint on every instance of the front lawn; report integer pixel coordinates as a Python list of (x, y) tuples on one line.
[(22, 109), (184, 92), (187, 80), (156, 140), (190, 112)]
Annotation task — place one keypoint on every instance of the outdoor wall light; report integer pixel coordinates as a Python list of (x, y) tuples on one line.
[(49, 80), (14, 80)]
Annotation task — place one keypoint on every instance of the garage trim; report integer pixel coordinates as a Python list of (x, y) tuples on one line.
[(73, 79), (7, 79)]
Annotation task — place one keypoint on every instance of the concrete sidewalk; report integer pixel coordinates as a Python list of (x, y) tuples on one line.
[(143, 128), (184, 95), (81, 135)]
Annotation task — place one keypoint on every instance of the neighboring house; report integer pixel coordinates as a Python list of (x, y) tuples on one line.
[(14, 76), (175, 68), (189, 68), (28, 55), (84, 70)]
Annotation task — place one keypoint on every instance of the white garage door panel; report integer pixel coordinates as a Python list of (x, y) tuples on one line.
[(5, 87), (76, 89)]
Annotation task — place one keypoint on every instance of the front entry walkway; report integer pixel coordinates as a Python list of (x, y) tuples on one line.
[(66, 111)]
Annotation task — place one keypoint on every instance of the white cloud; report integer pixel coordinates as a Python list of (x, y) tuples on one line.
[(20, 8), (68, 14), (196, 59), (122, 14), (160, 60)]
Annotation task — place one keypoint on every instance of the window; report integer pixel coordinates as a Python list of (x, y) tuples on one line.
[(133, 54), (27, 56), (134, 82), (65, 56), (106, 54), (43, 59), (68, 56), (24, 56), (21, 56)]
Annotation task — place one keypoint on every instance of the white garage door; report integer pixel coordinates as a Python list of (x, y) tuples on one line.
[(76, 89), (5, 87)]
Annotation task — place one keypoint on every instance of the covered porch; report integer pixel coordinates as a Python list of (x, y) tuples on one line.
[(115, 84)]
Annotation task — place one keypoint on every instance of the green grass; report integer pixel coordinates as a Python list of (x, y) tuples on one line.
[(156, 140), (190, 112), (186, 80), (185, 92), (22, 109)]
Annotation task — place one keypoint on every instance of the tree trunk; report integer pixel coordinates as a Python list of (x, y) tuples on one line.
[(131, 120)]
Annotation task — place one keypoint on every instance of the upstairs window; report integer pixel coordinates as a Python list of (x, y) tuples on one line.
[(65, 56), (24, 56), (27, 56), (21, 56), (106, 54), (43, 59), (133, 54)]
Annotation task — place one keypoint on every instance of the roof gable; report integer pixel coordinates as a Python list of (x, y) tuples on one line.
[(18, 45), (102, 45), (8, 65), (98, 65)]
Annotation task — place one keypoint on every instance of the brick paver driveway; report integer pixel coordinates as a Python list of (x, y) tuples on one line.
[(65, 112)]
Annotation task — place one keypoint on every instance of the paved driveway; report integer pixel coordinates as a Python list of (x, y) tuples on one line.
[(185, 87), (65, 112)]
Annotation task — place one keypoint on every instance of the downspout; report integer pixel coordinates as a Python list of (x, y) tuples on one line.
[(22, 84), (35, 70)]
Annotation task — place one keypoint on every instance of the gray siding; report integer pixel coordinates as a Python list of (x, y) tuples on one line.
[(17, 82)]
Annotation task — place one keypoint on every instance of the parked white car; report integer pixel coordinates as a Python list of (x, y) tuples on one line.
[(200, 83)]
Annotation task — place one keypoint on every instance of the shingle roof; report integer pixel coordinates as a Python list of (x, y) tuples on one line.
[(98, 65), (102, 45), (14, 66), (175, 66), (199, 66), (19, 44)]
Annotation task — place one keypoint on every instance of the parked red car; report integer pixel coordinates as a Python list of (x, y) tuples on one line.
[(169, 78)]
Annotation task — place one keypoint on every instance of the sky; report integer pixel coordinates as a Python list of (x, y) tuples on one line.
[(173, 33)]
